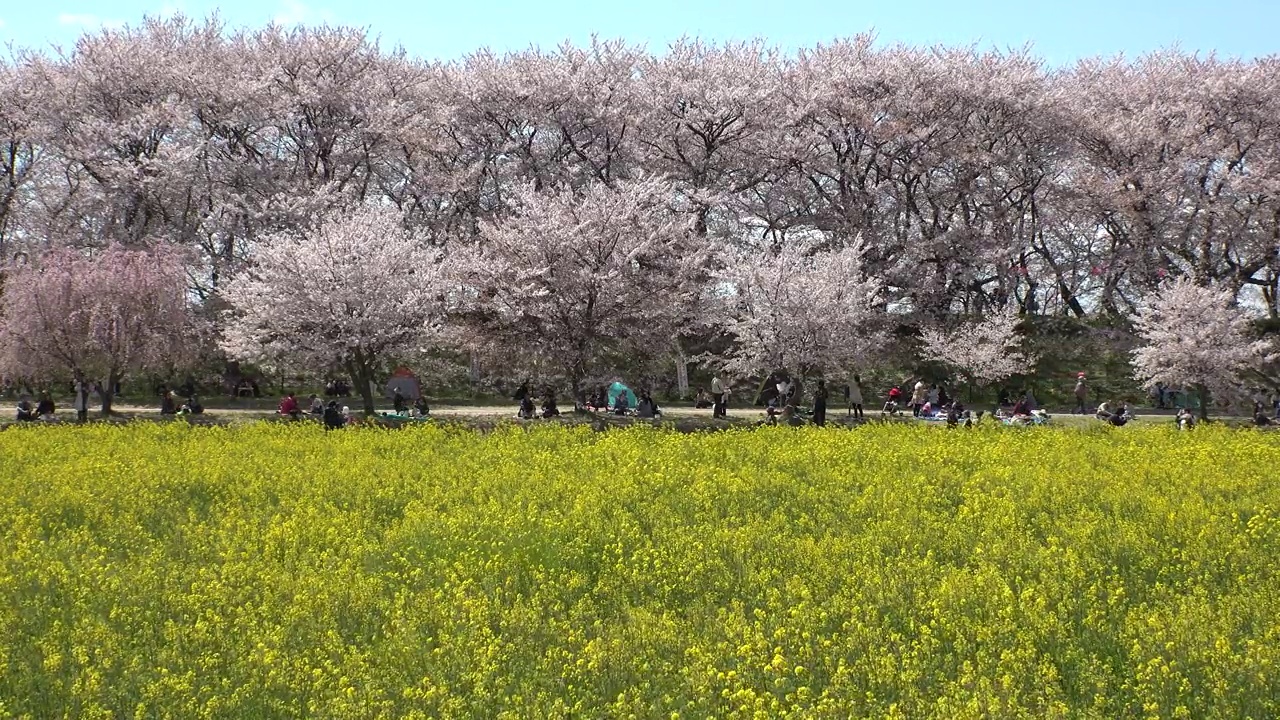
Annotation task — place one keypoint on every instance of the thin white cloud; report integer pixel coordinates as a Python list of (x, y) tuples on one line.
[(76, 19), (170, 9), (296, 12), (87, 20)]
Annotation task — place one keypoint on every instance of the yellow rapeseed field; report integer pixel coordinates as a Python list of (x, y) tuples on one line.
[(270, 570)]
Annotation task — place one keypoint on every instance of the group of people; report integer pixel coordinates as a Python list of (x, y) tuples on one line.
[(528, 410), (333, 416), (782, 406), (43, 411), (548, 410), (645, 406), (925, 401), (169, 404), (400, 404)]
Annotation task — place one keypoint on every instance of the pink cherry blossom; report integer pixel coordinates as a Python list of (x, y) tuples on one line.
[(97, 317), (797, 308), (356, 291), (982, 351), (1195, 337), (575, 285)]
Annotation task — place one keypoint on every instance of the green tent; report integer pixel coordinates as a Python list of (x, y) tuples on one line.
[(617, 389)]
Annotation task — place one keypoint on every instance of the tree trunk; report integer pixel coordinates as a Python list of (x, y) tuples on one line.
[(108, 391), (682, 372), (575, 387), (361, 370), (1203, 395)]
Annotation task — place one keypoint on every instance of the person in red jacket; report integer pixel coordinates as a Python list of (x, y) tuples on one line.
[(895, 397), (289, 407)]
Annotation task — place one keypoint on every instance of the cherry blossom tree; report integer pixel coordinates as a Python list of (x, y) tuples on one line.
[(19, 151), (797, 308), (983, 351), (98, 317), (582, 283), (1194, 336), (975, 179), (355, 291)]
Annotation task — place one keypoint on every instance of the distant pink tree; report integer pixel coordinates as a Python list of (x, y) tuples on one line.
[(799, 308), (582, 283), (982, 351), (97, 317), (1194, 336), (355, 291)]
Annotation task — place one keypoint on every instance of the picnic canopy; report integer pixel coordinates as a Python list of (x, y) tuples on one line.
[(406, 382), (617, 389)]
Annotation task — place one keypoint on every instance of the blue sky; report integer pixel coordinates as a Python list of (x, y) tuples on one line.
[(1061, 31)]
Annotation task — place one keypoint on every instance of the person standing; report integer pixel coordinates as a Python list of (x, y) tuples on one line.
[(718, 409), (918, 398), (820, 404), (1082, 393), (82, 401), (855, 397)]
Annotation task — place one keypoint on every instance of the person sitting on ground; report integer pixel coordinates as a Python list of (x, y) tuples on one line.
[(421, 407), (1119, 417), (317, 406), (289, 407), (1260, 419), (702, 400), (622, 404), (1185, 419), (26, 413), (953, 414), (397, 402), (549, 409), (646, 407), (791, 416), (45, 409), (527, 410), (1022, 407), (771, 411), (192, 406), (333, 419), (168, 403)]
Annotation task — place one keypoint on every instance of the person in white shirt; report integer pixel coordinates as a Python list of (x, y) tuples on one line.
[(718, 409), (855, 397), (82, 401), (918, 398)]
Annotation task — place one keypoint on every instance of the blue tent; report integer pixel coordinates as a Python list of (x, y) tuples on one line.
[(617, 389)]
